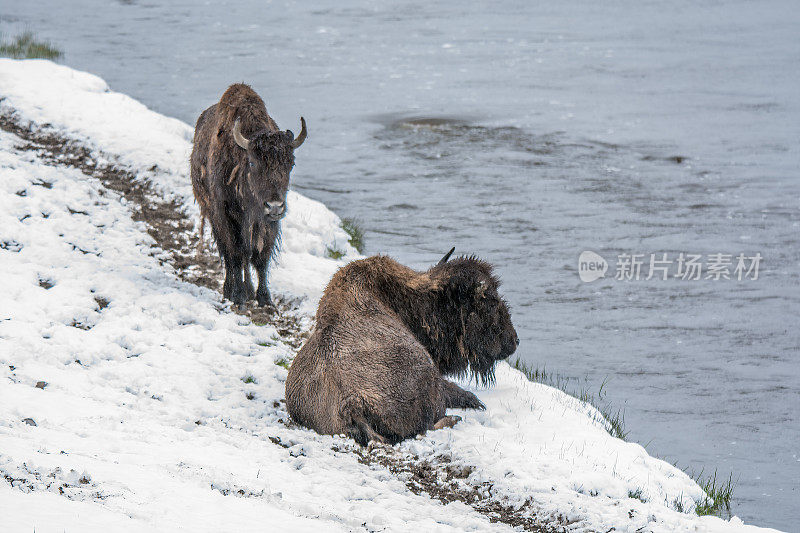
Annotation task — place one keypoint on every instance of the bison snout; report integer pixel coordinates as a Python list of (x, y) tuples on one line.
[(510, 343), (274, 210)]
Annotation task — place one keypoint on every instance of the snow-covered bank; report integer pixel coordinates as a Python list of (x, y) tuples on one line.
[(146, 421)]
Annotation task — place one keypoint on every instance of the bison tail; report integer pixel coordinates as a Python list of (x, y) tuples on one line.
[(201, 241)]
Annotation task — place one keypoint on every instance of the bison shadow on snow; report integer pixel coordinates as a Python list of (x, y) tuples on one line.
[(385, 337)]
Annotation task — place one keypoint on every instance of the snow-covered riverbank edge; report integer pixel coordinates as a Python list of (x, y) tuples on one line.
[(146, 395)]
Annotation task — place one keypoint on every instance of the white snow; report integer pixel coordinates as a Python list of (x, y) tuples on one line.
[(144, 423)]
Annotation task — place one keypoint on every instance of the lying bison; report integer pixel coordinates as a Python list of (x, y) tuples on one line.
[(385, 336), (240, 175)]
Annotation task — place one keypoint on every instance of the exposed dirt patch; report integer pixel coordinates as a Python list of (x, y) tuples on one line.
[(80, 325), (234, 490), (102, 303), (12, 246), (446, 482), (71, 485)]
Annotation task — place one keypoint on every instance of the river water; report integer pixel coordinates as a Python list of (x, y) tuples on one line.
[(528, 132)]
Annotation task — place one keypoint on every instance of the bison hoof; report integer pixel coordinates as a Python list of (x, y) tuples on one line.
[(447, 422), (264, 300), (472, 402)]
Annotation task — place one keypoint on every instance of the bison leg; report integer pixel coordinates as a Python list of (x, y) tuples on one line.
[(226, 287), (248, 282), (233, 288), (361, 432), (260, 261), (225, 254), (458, 398)]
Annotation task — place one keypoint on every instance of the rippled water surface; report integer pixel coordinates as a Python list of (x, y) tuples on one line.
[(526, 133)]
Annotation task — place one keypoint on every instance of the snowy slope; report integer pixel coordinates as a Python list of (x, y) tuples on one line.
[(145, 422)]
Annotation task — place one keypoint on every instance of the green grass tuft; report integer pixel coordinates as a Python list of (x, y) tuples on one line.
[(285, 363), (352, 228), (26, 46), (637, 494), (718, 501), (613, 420), (249, 379), (334, 252)]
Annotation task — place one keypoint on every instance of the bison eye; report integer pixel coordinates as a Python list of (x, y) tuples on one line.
[(250, 163)]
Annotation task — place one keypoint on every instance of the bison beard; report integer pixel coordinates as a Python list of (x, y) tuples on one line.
[(240, 168), (385, 336)]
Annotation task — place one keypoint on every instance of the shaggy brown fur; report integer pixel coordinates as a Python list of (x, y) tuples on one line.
[(242, 190), (386, 335)]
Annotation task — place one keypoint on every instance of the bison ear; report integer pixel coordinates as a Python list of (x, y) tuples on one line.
[(467, 290)]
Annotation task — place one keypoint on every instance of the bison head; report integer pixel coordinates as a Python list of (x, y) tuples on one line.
[(270, 158), (486, 334)]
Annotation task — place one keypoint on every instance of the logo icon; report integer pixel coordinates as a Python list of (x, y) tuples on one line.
[(591, 266)]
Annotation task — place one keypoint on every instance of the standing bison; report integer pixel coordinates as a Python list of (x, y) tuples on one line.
[(385, 336), (240, 169)]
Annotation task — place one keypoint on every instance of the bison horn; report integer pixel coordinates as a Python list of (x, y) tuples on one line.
[(238, 137), (444, 259), (302, 137)]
